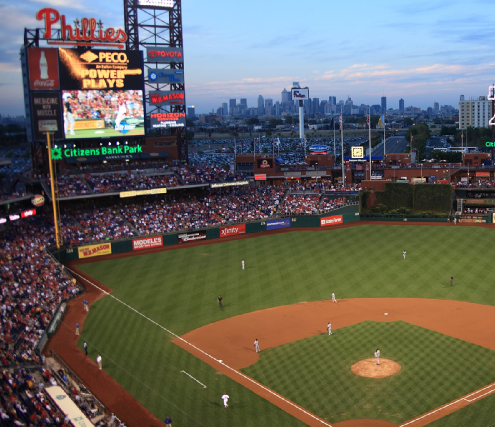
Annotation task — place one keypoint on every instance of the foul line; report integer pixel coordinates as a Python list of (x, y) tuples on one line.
[(203, 352), (190, 376), (464, 398)]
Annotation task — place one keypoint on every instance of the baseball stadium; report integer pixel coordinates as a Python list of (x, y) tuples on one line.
[(150, 280)]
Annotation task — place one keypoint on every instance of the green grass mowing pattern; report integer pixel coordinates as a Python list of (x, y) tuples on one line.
[(316, 372), (178, 289), (478, 414)]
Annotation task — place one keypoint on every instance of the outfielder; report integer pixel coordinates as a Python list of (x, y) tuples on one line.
[(242, 264), (225, 399), (404, 254)]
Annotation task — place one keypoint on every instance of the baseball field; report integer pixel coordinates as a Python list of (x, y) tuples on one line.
[(440, 335)]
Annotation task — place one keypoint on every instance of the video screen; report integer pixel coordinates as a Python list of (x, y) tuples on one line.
[(105, 113)]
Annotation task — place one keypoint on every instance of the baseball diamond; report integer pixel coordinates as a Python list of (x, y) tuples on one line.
[(283, 298)]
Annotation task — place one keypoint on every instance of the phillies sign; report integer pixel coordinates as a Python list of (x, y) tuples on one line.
[(84, 32)]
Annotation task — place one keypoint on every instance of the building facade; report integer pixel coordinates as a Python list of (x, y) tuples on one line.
[(474, 112)]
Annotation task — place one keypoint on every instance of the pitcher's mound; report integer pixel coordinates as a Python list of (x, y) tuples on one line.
[(369, 368)]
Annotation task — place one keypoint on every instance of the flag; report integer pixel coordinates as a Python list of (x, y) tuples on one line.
[(340, 121), (412, 137), (368, 120), (381, 121)]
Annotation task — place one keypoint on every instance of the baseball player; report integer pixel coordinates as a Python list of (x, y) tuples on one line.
[(256, 345), (404, 254), (121, 112), (329, 328), (377, 356), (225, 399), (77, 328), (333, 297), (98, 360), (242, 264), (69, 119)]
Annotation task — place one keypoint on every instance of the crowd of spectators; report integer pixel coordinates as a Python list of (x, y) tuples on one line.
[(70, 185), (474, 211)]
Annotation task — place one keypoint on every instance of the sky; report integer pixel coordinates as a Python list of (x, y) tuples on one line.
[(423, 51)]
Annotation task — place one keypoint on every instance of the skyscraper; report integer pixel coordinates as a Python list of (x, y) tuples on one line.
[(243, 102), (332, 100), (401, 106), (436, 106), (261, 105), (285, 96), (225, 109), (384, 104), (232, 104)]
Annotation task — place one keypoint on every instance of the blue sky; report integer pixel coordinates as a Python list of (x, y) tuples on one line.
[(422, 51)]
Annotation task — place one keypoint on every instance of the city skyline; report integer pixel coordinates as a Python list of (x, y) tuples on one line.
[(422, 52)]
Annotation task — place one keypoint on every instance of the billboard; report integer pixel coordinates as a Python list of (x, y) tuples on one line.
[(331, 220), (43, 68), (233, 230), (158, 97), (166, 4), (165, 55), (100, 69), (278, 223), (191, 237), (167, 120), (46, 114), (147, 243), (102, 93), (165, 76), (265, 164), (98, 113), (299, 94), (94, 250)]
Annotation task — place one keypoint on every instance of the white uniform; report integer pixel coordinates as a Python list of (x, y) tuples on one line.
[(242, 264), (98, 360), (404, 254), (120, 114), (377, 356), (225, 399), (329, 327), (333, 297), (257, 346)]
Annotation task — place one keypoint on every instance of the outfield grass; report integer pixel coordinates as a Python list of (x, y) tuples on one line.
[(178, 290), (316, 372)]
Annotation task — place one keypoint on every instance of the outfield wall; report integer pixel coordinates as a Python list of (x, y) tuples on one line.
[(339, 216)]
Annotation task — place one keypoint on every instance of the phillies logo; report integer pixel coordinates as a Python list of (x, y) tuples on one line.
[(84, 32), (44, 83)]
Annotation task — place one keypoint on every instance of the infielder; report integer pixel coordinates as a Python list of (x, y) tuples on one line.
[(333, 297), (329, 328), (256, 345), (225, 399), (377, 356), (404, 254)]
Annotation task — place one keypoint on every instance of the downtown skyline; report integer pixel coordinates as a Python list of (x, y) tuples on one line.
[(423, 51)]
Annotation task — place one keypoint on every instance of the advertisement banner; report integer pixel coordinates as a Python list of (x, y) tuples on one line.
[(228, 184), (167, 120), (299, 94), (331, 220), (278, 223), (265, 164), (260, 177), (47, 115), (233, 230), (147, 243), (160, 97), (94, 250), (43, 68), (150, 192), (164, 54), (192, 236), (166, 76), (483, 174), (101, 69)]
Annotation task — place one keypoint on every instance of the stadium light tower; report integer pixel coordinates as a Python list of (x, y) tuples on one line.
[(155, 26)]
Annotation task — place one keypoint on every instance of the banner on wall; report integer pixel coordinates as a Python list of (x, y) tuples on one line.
[(331, 220), (95, 250), (278, 223)]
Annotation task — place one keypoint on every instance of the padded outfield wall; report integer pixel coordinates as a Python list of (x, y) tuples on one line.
[(339, 216)]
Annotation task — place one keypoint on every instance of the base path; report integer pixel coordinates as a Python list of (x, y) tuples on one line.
[(227, 345)]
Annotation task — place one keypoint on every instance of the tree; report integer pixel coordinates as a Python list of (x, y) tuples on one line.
[(253, 121), (408, 121), (288, 120), (189, 123)]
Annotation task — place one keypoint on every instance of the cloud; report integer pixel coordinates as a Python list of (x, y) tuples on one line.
[(73, 4)]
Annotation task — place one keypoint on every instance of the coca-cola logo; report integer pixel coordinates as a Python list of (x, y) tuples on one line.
[(44, 83)]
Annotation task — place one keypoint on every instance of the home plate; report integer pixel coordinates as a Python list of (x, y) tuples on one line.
[(386, 314)]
